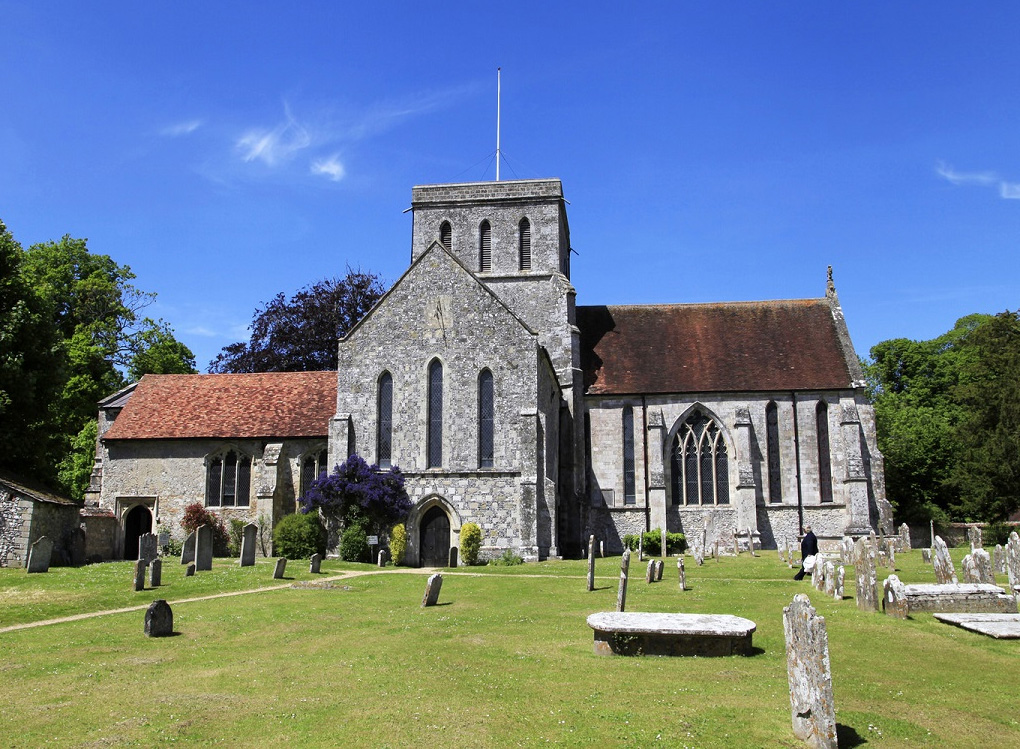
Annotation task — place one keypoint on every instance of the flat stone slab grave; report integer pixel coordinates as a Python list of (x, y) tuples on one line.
[(640, 633), (999, 626)]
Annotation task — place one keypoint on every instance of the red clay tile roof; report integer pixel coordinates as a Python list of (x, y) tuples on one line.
[(269, 404), (726, 347)]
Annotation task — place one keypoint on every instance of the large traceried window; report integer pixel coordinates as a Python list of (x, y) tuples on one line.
[(824, 464), (772, 449), (228, 481), (485, 247), (629, 489), (313, 465), (486, 420), (384, 435), (699, 463), (446, 235), (524, 250), (434, 437)]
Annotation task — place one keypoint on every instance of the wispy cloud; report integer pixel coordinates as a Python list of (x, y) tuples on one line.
[(1007, 190), (181, 128), (330, 167), (275, 145)]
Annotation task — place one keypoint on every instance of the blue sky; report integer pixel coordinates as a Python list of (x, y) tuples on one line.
[(710, 151)]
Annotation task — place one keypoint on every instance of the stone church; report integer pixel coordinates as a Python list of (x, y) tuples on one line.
[(506, 404)]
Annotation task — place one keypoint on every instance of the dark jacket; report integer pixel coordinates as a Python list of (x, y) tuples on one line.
[(808, 545)]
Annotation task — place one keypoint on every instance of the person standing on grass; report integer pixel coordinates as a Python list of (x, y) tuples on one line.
[(808, 548)]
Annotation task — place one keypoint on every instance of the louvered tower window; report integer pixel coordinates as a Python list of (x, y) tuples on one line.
[(772, 448), (824, 465), (699, 463), (525, 244), (446, 235), (485, 248), (486, 420), (384, 437), (629, 491), (434, 438)]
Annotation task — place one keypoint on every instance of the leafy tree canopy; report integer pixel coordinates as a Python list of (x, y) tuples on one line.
[(300, 334)]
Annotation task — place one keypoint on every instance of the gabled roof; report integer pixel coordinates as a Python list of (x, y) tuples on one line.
[(27, 488), (228, 406), (723, 347)]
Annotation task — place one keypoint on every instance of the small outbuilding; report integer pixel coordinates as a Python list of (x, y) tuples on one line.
[(27, 513)]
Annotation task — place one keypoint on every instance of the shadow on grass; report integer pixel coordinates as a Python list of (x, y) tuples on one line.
[(848, 737)]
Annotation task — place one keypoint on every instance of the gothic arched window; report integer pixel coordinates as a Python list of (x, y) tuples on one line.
[(485, 247), (824, 464), (629, 490), (434, 437), (486, 420), (228, 481), (524, 249), (313, 465), (699, 463), (772, 450), (446, 235), (384, 432)]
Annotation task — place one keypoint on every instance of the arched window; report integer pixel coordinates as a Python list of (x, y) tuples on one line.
[(772, 449), (446, 235), (384, 435), (629, 490), (312, 466), (434, 438), (486, 420), (699, 463), (824, 465), (228, 481), (485, 247), (524, 244)]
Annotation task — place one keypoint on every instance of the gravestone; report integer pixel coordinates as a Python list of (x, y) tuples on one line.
[(926, 556), (621, 593), (736, 544), (432, 588), (591, 563), (140, 567), (904, 537), (681, 573), (315, 563), (281, 567), (715, 550), (837, 586), (867, 576), (188, 550), (203, 548), (663, 537), (159, 619), (1013, 560), (641, 547), (650, 572), (983, 562), (699, 555), (846, 550), (890, 557), (384, 557), (156, 573), (807, 667), (453, 557), (248, 538), (148, 547), (970, 570), (931, 528), (974, 537), (830, 579), (164, 540), (999, 559), (945, 572), (602, 549), (659, 567), (781, 548), (39, 555), (189, 571), (818, 574)]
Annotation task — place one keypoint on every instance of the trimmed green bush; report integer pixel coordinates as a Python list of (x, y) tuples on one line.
[(470, 543), (236, 532), (507, 559), (676, 543), (298, 536), (354, 544), (398, 543)]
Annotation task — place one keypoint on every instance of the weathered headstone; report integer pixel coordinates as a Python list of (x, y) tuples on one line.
[(699, 555), (249, 536), (281, 568), (890, 557), (810, 677), (1013, 560), (188, 550), (681, 573), (904, 537), (873, 540), (846, 550), (818, 574), (659, 567), (156, 573), (432, 588), (453, 557), (750, 541), (315, 564), (926, 556), (139, 570), (641, 547), (945, 572), (203, 548), (621, 593), (39, 554), (591, 563), (384, 557), (974, 537), (970, 570), (736, 544), (159, 619), (830, 579), (148, 547), (189, 571), (715, 550), (983, 562), (650, 572), (164, 540), (663, 537), (781, 548), (867, 576), (837, 586), (999, 559)]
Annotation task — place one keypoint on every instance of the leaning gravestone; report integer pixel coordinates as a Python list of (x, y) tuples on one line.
[(659, 567), (983, 562), (432, 588), (999, 559), (248, 538), (808, 670), (148, 547), (315, 564), (159, 619), (681, 573), (926, 556), (591, 563), (189, 571), (867, 576), (650, 572), (281, 567), (904, 537), (156, 573), (188, 550), (837, 586), (970, 571), (140, 567), (203, 548), (945, 572), (974, 537), (621, 593), (39, 555), (1013, 561)]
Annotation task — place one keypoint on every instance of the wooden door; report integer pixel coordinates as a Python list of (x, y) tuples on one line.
[(435, 538)]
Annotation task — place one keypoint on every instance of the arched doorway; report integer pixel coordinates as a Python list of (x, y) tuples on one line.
[(136, 522), (434, 538)]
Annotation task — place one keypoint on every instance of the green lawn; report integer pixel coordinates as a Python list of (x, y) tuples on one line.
[(505, 660)]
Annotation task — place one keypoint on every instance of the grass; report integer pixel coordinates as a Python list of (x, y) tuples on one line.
[(505, 660)]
